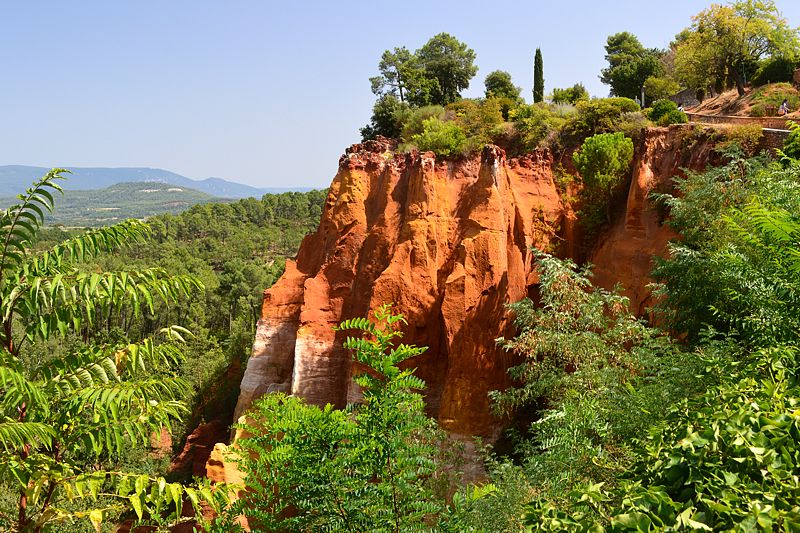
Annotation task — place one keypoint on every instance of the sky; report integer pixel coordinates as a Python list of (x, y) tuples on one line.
[(261, 92)]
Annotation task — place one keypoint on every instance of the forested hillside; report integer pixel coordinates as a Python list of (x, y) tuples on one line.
[(222, 256)]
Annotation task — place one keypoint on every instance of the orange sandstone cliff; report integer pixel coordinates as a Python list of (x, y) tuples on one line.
[(448, 243)]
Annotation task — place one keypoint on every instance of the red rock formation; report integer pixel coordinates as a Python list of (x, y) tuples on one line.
[(448, 243), (624, 253)]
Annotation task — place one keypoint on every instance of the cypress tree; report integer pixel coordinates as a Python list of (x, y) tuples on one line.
[(538, 77)]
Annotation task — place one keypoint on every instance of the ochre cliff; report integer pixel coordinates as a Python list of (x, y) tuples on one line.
[(448, 243)]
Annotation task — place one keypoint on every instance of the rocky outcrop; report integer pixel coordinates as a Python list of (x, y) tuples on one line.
[(448, 243)]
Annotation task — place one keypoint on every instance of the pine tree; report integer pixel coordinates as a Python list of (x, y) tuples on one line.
[(538, 77)]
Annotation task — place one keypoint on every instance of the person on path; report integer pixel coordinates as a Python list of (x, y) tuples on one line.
[(784, 108)]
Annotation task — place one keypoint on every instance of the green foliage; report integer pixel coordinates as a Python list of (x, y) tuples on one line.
[(746, 136), (481, 120), (365, 468), (774, 70), (726, 461), (445, 139), (660, 87), (449, 62), (629, 65), (593, 376), (729, 272), (538, 77), (603, 162), (402, 76), (61, 414), (388, 115), (766, 100), (539, 123), (599, 115), (499, 85), (791, 146), (666, 112), (414, 123), (570, 95), (726, 42)]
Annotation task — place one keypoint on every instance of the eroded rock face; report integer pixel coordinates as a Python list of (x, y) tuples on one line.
[(624, 254), (448, 243)]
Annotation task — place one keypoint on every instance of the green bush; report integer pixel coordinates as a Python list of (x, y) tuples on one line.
[(413, 122), (666, 112), (370, 467), (767, 99), (774, 70), (388, 115), (445, 139), (538, 122), (479, 119), (673, 116), (599, 115), (791, 146)]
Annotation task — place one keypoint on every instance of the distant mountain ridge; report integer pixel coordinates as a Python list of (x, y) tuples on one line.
[(15, 178)]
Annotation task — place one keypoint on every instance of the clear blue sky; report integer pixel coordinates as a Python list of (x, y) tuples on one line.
[(266, 93)]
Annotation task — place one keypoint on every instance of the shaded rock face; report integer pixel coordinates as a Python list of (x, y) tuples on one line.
[(448, 243), (624, 254)]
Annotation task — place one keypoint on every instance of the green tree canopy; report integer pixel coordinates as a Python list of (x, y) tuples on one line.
[(629, 64), (63, 413), (570, 95), (499, 85), (725, 43), (603, 160), (451, 63)]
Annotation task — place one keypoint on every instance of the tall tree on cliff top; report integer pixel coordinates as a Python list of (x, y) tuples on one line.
[(725, 43), (450, 63), (538, 77), (629, 64), (401, 74)]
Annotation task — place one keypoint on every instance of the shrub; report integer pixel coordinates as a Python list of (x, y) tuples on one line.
[(632, 123), (388, 115), (599, 115), (791, 146), (745, 136), (365, 468), (413, 123), (445, 139), (480, 120), (570, 95), (535, 123), (673, 116), (665, 112), (774, 70), (603, 162)]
